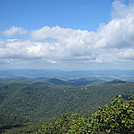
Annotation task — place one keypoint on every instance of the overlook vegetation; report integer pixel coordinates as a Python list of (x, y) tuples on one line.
[(25, 107), (117, 117)]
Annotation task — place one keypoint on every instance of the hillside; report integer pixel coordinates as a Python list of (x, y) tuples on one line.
[(24, 103), (115, 81), (115, 117), (54, 81)]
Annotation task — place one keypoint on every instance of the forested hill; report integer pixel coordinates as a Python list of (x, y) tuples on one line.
[(23, 103), (116, 117), (54, 81), (60, 82)]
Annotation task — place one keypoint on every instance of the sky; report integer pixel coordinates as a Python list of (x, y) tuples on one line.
[(67, 34)]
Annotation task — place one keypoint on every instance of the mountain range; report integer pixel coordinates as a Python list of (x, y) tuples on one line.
[(106, 75), (60, 82)]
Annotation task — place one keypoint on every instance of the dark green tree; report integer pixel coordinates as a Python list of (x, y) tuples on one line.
[(117, 117)]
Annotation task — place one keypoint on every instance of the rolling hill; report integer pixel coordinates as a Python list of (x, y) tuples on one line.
[(54, 81), (25, 103)]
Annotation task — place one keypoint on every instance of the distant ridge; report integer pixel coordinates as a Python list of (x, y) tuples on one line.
[(106, 75), (115, 82), (55, 81)]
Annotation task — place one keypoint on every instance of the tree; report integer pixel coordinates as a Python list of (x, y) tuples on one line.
[(116, 117)]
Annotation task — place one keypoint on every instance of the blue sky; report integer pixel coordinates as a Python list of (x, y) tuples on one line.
[(67, 34), (34, 14)]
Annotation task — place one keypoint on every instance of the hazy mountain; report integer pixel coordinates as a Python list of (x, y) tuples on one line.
[(55, 81), (106, 75), (115, 82)]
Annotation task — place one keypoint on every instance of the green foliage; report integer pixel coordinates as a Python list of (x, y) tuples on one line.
[(117, 117), (27, 128), (65, 125), (21, 103)]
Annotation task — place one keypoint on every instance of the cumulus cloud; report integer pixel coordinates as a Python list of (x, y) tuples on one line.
[(112, 43), (127, 54), (14, 31), (121, 10)]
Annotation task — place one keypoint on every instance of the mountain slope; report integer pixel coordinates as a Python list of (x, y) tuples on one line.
[(54, 81), (38, 102), (115, 82)]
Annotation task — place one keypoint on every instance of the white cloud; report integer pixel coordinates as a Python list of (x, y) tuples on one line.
[(127, 54), (52, 61), (14, 31), (121, 10), (112, 43)]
